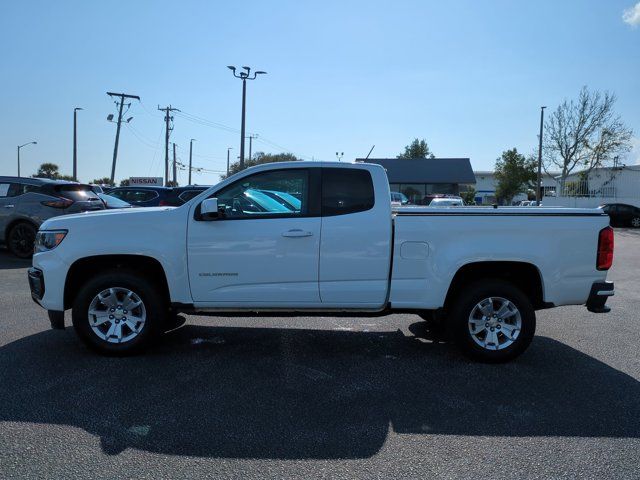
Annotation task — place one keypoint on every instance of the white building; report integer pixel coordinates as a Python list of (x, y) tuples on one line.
[(600, 186), (486, 187)]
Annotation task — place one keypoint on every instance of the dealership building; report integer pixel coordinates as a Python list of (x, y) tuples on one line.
[(419, 177)]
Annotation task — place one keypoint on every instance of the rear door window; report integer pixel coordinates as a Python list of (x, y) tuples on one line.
[(346, 190), (4, 189)]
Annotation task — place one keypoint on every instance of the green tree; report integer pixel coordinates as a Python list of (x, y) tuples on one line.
[(417, 149), (48, 170), (514, 174), (258, 159), (469, 196), (125, 182), (103, 181)]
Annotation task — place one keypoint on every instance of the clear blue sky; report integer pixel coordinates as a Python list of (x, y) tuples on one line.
[(468, 76)]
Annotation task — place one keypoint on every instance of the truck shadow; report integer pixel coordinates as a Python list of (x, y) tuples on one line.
[(307, 394)]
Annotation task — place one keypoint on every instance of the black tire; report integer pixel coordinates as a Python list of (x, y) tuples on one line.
[(21, 239), (155, 307), (463, 307)]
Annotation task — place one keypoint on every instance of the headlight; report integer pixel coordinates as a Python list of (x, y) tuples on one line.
[(49, 239)]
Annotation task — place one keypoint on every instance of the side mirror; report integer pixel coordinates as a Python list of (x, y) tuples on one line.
[(209, 209)]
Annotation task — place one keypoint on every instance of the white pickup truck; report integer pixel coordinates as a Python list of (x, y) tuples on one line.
[(319, 238)]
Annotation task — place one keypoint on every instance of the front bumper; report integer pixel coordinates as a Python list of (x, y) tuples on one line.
[(36, 283), (600, 292)]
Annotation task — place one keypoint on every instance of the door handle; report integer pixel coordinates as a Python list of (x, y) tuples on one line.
[(296, 232)]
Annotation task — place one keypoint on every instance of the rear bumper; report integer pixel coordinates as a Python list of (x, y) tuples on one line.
[(600, 292)]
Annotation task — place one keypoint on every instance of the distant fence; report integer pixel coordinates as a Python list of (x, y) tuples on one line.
[(602, 186)]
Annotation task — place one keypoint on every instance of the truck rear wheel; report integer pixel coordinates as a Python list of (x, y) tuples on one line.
[(492, 321), (118, 313)]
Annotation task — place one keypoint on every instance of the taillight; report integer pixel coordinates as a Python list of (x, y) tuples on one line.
[(605, 249), (58, 203)]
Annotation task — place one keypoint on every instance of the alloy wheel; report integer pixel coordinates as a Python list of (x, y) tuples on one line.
[(495, 323), (22, 240), (117, 315)]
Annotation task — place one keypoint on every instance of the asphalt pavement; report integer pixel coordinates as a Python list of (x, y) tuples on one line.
[(323, 397)]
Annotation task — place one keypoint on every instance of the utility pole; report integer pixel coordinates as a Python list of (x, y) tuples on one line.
[(175, 183), (539, 183), (228, 149), (35, 143), (244, 76), (251, 137), (190, 157), (75, 143), (167, 119), (120, 103)]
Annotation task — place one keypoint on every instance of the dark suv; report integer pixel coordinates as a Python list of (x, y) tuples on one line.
[(157, 196), (27, 202), (622, 215)]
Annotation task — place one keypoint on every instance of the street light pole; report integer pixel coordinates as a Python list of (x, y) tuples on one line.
[(244, 76), (19, 147), (539, 183), (75, 143), (228, 149), (190, 157)]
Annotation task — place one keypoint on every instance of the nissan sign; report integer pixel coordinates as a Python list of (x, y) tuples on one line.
[(148, 181)]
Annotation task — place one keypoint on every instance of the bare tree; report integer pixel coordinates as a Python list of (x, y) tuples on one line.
[(584, 134)]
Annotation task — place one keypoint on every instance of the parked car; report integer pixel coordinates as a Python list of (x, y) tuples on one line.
[(447, 202), (181, 195), (427, 199), (399, 198), (112, 202), (485, 271), (622, 215), (157, 196), (26, 202)]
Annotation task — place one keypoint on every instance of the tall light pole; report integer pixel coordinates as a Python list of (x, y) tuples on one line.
[(244, 76), (228, 149), (190, 157), (19, 147), (539, 183), (75, 143)]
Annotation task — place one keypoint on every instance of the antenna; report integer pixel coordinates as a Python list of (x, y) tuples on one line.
[(369, 152)]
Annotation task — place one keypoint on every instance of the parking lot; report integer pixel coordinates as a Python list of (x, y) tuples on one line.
[(323, 397)]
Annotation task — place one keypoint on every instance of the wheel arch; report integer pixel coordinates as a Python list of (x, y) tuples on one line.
[(15, 222), (526, 276), (148, 267)]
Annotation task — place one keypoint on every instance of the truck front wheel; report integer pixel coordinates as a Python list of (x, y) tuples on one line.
[(118, 313), (492, 321)]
